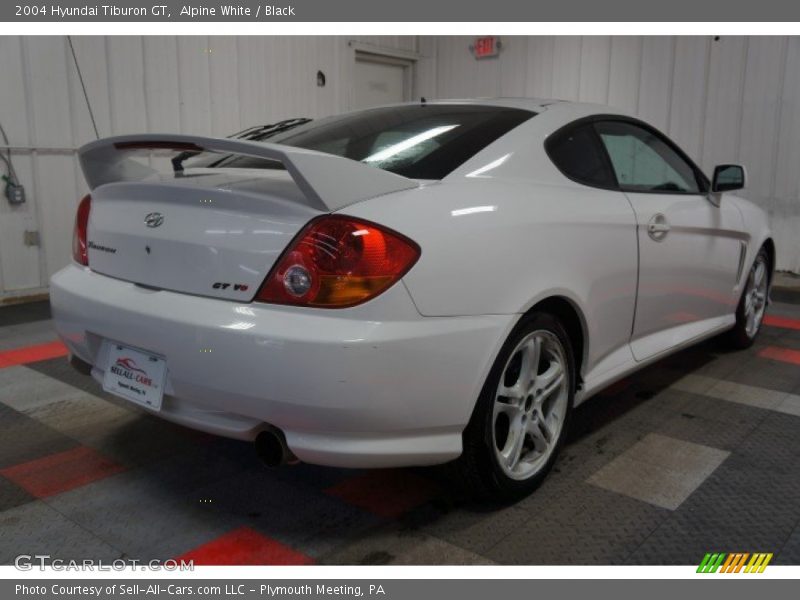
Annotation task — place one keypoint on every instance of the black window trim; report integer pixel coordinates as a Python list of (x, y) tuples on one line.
[(566, 130), (703, 182)]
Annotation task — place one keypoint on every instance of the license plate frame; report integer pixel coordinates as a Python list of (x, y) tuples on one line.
[(135, 375)]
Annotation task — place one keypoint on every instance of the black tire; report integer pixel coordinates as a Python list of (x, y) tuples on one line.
[(742, 336), (478, 471)]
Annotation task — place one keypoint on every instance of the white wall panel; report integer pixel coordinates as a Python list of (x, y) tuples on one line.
[(512, 68), (566, 67), (688, 98), (765, 70), (624, 72), (22, 272), (91, 53), (539, 75), (51, 122), (594, 69), (126, 85), (223, 66), (723, 123), (460, 75), (787, 164), (655, 83), (162, 84), (194, 84)]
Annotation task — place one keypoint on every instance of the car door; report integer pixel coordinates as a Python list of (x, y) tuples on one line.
[(689, 248)]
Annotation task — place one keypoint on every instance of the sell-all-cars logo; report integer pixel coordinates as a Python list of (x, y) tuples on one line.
[(129, 364), (154, 219), (734, 562), (127, 368)]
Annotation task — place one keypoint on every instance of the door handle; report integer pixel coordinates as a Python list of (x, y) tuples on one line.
[(658, 227)]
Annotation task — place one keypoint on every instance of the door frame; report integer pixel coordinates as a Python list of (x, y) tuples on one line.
[(396, 57)]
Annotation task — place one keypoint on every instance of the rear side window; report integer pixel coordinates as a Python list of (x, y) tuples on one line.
[(578, 154), (418, 141)]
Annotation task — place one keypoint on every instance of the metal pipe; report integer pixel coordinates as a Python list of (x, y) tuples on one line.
[(272, 449)]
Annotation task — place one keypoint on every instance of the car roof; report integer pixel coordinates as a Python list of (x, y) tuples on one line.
[(536, 105)]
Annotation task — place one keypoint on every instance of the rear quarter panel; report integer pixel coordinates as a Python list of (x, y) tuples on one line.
[(492, 246)]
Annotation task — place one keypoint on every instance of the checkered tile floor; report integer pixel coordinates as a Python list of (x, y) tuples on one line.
[(698, 453)]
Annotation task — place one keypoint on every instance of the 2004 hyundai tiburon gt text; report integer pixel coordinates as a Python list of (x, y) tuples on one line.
[(405, 285)]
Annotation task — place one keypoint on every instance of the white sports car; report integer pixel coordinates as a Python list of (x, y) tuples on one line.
[(405, 285)]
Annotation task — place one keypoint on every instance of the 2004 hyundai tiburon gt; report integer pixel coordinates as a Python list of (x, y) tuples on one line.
[(405, 285)]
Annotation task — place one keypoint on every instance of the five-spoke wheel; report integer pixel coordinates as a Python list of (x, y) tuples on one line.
[(530, 404), (519, 421), (753, 303)]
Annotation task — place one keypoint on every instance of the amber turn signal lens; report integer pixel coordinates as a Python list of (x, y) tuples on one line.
[(338, 261)]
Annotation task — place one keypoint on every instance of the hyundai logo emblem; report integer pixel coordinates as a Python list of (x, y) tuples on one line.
[(154, 219)]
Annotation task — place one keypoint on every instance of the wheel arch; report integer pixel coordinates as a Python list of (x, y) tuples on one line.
[(572, 318), (769, 246)]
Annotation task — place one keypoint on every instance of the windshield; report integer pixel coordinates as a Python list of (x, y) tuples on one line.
[(417, 141)]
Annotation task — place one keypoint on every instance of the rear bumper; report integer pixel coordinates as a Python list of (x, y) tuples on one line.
[(375, 385)]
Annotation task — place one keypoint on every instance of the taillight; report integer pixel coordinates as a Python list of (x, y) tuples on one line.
[(338, 261), (80, 251)]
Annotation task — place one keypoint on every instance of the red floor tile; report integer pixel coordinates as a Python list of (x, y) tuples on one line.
[(782, 354), (388, 493), (28, 354), (782, 322), (58, 473), (245, 546)]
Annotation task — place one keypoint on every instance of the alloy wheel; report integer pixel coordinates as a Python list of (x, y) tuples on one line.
[(530, 405), (755, 297)]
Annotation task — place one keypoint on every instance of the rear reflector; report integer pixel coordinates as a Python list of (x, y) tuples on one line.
[(80, 250), (338, 261)]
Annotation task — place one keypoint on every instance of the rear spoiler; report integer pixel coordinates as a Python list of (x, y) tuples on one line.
[(329, 182)]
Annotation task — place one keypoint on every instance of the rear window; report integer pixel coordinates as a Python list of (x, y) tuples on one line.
[(418, 141)]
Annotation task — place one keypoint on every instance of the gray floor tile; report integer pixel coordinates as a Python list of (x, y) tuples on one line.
[(36, 528), (12, 495), (25, 439), (660, 470), (313, 523), (391, 547), (142, 517)]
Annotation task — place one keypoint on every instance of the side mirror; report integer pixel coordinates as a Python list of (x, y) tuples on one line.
[(728, 178)]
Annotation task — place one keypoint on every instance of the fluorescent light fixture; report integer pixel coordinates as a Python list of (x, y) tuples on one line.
[(472, 210), (409, 143)]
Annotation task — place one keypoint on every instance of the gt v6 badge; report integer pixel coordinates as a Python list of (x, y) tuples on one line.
[(237, 287), (154, 219)]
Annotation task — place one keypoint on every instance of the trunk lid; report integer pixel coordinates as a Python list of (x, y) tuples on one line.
[(210, 234)]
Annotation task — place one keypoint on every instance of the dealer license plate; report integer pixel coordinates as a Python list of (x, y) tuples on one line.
[(135, 375)]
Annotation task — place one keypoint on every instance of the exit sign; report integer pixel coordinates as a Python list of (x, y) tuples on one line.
[(485, 47)]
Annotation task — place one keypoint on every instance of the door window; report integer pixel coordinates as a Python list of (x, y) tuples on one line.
[(644, 162)]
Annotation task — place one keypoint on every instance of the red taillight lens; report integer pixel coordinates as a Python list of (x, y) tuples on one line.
[(79, 245), (338, 261)]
